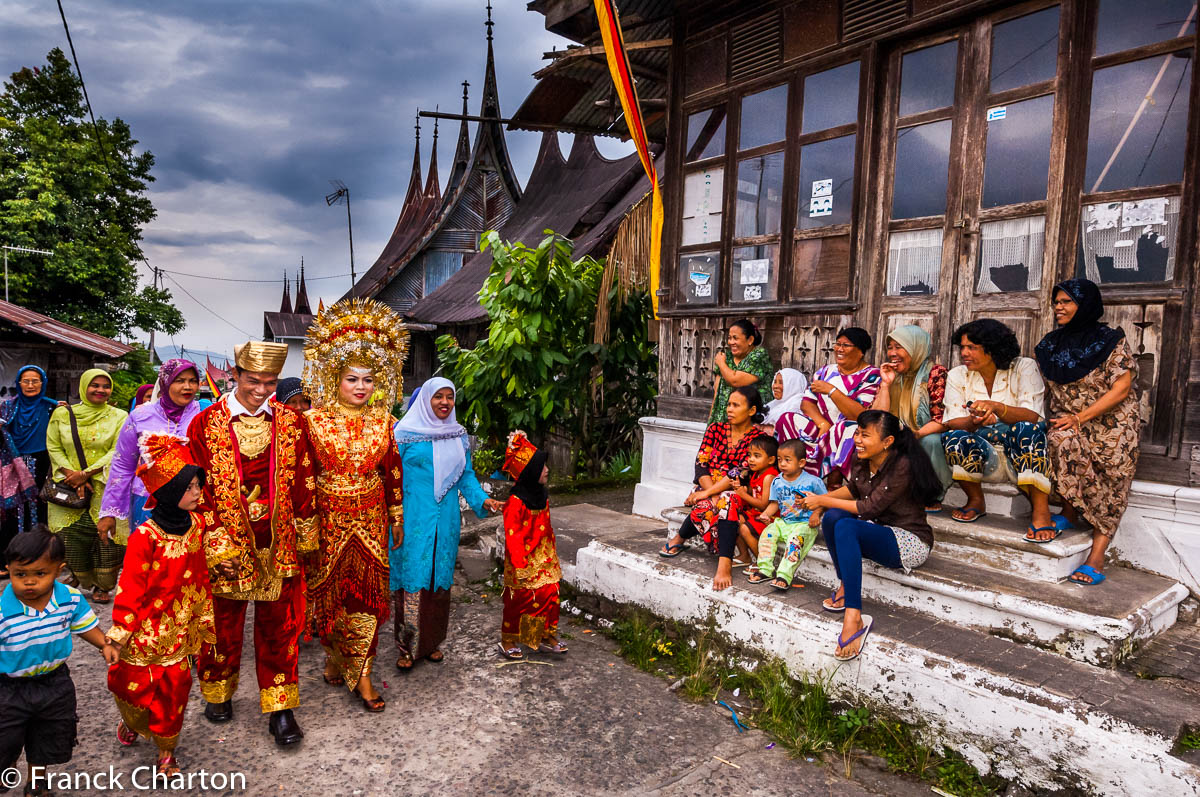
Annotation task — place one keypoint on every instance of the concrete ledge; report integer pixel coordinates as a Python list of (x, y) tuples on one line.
[(1027, 733)]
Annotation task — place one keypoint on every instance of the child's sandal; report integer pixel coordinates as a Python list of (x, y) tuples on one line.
[(167, 765), (125, 735), (755, 577), (513, 653), (781, 585)]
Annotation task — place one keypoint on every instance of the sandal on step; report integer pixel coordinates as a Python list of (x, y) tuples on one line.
[(513, 653), (558, 648), (1031, 531), (780, 584), (1087, 570), (669, 551), (868, 621), (125, 735), (755, 577), (972, 514), (437, 657), (828, 606)]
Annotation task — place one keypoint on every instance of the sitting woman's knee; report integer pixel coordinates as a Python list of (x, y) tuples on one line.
[(832, 517)]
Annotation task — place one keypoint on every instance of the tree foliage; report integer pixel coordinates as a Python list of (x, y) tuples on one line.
[(538, 370), (61, 189)]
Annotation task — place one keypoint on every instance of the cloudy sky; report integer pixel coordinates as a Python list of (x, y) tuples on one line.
[(252, 107)]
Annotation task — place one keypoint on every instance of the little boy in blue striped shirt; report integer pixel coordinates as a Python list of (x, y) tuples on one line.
[(38, 617)]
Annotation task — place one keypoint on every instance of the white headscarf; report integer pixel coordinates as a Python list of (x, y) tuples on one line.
[(448, 436), (794, 385)]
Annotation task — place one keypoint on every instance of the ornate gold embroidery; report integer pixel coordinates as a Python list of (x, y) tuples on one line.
[(219, 691), (277, 698), (253, 434), (541, 568), (120, 635)]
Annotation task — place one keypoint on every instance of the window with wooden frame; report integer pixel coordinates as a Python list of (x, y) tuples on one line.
[(758, 196), (703, 203), (1141, 74), (827, 147)]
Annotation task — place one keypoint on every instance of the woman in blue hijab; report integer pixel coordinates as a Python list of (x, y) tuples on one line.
[(23, 422)]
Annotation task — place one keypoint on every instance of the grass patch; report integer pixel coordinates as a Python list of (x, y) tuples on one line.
[(798, 712), (1189, 740)]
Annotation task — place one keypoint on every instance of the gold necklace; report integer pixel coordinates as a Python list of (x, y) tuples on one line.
[(253, 434)]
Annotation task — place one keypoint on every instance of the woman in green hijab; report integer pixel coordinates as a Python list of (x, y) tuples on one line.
[(913, 388), (93, 561)]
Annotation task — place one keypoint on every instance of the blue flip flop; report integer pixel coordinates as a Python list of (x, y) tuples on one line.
[(1061, 522), (868, 621), (1032, 530), (670, 551), (1095, 575)]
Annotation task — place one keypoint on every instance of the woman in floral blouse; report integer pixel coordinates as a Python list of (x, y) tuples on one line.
[(745, 363), (719, 466), (1094, 421)]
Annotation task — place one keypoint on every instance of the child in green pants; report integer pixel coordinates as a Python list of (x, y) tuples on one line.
[(793, 526)]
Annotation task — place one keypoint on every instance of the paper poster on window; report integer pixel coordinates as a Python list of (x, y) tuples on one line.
[(1101, 217), (996, 114), (820, 206), (752, 293), (699, 277), (704, 290), (1143, 212), (822, 188), (756, 272)]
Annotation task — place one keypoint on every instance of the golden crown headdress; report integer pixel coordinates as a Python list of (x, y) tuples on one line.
[(354, 332)]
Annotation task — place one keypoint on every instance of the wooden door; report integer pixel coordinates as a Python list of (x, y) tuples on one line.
[(971, 147)]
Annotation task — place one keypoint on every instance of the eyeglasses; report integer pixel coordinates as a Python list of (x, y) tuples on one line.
[(844, 346), (30, 382)]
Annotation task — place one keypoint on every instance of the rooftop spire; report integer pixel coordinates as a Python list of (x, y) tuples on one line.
[(489, 22), (302, 305), (286, 305), (432, 186), (462, 153), (491, 96), (414, 181)]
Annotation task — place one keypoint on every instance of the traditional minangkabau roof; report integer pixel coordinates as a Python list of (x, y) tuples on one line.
[(278, 326), (286, 305), (575, 91), (552, 200), (302, 305), (480, 195), (58, 332)]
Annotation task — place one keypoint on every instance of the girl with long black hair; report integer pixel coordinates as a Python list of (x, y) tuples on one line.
[(879, 513)]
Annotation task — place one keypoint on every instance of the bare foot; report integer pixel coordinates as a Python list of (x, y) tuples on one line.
[(723, 579)]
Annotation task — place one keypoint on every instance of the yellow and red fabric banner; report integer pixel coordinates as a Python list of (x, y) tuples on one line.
[(622, 76), (215, 376)]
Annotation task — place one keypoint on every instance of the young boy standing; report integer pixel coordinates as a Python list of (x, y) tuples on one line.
[(163, 610), (795, 526), (531, 570), (752, 499), (38, 616)]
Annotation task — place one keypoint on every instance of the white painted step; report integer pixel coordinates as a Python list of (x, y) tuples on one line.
[(1098, 625)]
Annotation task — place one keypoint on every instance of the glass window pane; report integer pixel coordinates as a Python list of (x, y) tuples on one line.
[(927, 78), (702, 197), (1129, 241), (830, 98), (922, 157), (699, 274), (914, 262), (1138, 127), (1018, 152), (764, 117), (826, 183), (706, 134), (1025, 50), (1124, 24), (759, 196), (755, 273), (1010, 255)]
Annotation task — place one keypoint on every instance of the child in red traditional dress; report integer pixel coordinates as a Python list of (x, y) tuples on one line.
[(163, 610), (531, 571)]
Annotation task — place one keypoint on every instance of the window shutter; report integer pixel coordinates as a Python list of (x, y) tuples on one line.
[(757, 47), (862, 17)]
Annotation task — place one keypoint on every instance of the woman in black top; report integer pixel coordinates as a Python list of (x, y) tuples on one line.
[(879, 513)]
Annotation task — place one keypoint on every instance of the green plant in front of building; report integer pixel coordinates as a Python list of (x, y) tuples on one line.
[(539, 370)]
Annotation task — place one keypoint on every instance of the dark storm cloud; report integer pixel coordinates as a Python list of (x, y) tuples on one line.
[(251, 108)]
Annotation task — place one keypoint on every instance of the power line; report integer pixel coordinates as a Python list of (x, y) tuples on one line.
[(206, 307), (235, 279)]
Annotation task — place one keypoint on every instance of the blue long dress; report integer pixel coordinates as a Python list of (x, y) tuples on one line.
[(422, 569)]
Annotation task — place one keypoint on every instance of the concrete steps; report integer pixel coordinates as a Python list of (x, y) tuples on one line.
[(984, 575)]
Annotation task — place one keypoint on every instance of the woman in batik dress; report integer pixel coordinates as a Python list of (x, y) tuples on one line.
[(353, 350)]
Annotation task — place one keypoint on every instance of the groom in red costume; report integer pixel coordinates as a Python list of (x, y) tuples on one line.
[(260, 516)]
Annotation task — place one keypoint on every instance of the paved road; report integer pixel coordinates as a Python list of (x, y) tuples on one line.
[(587, 725)]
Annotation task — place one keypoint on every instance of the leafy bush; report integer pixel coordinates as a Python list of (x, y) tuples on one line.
[(538, 370)]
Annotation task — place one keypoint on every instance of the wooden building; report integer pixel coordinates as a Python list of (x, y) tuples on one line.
[(885, 162)]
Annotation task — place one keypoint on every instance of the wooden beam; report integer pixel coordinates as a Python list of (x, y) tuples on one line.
[(577, 52)]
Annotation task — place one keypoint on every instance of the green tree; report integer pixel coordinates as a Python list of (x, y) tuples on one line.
[(538, 370), (61, 190)]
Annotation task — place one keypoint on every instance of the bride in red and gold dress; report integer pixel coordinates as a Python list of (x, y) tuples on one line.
[(353, 355)]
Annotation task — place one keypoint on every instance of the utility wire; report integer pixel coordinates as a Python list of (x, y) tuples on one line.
[(206, 307), (236, 279)]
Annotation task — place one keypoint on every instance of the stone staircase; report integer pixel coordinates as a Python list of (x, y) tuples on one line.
[(984, 575)]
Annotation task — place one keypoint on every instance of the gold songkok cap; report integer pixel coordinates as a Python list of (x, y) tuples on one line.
[(261, 356)]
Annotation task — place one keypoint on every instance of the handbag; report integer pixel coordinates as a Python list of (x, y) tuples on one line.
[(61, 493)]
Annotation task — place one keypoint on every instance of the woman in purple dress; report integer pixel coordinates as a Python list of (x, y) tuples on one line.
[(124, 495)]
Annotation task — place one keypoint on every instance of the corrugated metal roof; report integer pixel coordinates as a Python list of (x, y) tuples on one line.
[(58, 332), (287, 325), (553, 200)]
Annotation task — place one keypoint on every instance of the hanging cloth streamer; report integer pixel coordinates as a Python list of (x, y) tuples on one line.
[(622, 76)]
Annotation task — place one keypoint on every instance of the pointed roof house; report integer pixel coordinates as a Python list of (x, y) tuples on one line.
[(434, 234), (302, 305), (286, 305), (292, 321)]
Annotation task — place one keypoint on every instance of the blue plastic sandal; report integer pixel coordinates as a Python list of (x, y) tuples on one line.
[(1032, 530), (1095, 575), (868, 621), (1061, 523)]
